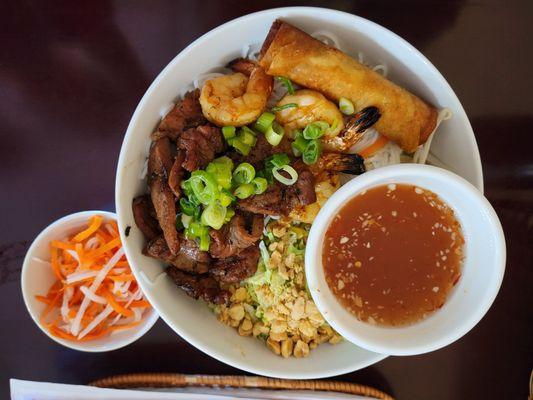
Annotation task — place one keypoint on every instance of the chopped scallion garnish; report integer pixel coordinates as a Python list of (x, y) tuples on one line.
[(287, 83), (346, 106), (284, 107)]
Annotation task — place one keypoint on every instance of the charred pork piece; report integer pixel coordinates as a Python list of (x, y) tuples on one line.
[(176, 174), (159, 165), (199, 286), (270, 202), (301, 193), (200, 145), (189, 259), (261, 151), (236, 268), (186, 114), (145, 217), (241, 232)]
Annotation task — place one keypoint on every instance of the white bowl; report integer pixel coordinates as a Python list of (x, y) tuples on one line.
[(454, 144), (37, 277), (482, 270)]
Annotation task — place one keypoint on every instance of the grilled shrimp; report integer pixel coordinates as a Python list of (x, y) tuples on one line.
[(352, 132), (312, 106), (236, 99), (326, 171)]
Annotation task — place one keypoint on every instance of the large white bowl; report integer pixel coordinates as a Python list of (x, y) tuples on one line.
[(455, 145), (481, 275)]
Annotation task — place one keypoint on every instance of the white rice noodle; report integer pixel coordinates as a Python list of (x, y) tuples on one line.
[(79, 276), (327, 37), (96, 321), (251, 51), (92, 243), (421, 155), (144, 170), (202, 78), (381, 69), (387, 155), (92, 296), (76, 324), (65, 309)]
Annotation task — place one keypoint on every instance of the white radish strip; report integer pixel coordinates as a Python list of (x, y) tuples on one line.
[(67, 295), (95, 285), (41, 261), (92, 243), (76, 256), (110, 229), (96, 321), (124, 321), (126, 306), (118, 271), (93, 296), (138, 313), (79, 276)]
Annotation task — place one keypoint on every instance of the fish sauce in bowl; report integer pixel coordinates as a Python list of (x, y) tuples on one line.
[(393, 254)]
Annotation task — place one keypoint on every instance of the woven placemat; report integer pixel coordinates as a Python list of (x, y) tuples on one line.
[(159, 380)]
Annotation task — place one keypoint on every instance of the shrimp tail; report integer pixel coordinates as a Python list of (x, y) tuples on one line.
[(363, 119), (336, 162), (242, 65)]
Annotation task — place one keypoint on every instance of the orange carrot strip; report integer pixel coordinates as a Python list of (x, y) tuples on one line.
[(378, 144), (124, 326), (101, 250), (121, 278), (62, 245), (95, 223), (43, 299), (140, 303), (116, 306)]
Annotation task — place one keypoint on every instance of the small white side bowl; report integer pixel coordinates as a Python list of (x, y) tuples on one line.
[(482, 272), (37, 277)]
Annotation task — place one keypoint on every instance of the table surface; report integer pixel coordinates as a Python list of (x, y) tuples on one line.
[(71, 75)]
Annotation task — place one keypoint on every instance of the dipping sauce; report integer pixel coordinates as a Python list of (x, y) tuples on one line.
[(392, 254)]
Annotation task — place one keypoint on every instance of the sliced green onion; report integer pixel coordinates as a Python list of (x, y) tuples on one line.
[(274, 134), (264, 121), (315, 130), (220, 168), (214, 215), (260, 185), (185, 220), (205, 240), (187, 206), (289, 170), (204, 186), (346, 106), (226, 198), (247, 136), (244, 191), (278, 160), (284, 107), (244, 173), (229, 214), (228, 132), (287, 83), (196, 229), (186, 186), (299, 144), (312, 152), (241, 147)]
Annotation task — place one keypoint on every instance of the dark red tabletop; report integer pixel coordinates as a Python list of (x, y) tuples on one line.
[(71, 75)]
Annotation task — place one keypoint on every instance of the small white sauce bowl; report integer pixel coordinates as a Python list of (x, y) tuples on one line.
[(482, 271), (37, 277)]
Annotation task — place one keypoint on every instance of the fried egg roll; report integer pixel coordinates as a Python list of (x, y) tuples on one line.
[(292, 53)]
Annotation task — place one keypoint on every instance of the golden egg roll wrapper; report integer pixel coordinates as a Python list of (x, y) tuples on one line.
[(292, 53)]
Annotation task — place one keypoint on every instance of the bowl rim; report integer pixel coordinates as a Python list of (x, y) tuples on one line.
[(137, 333), (403, 173), (129, 137)]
